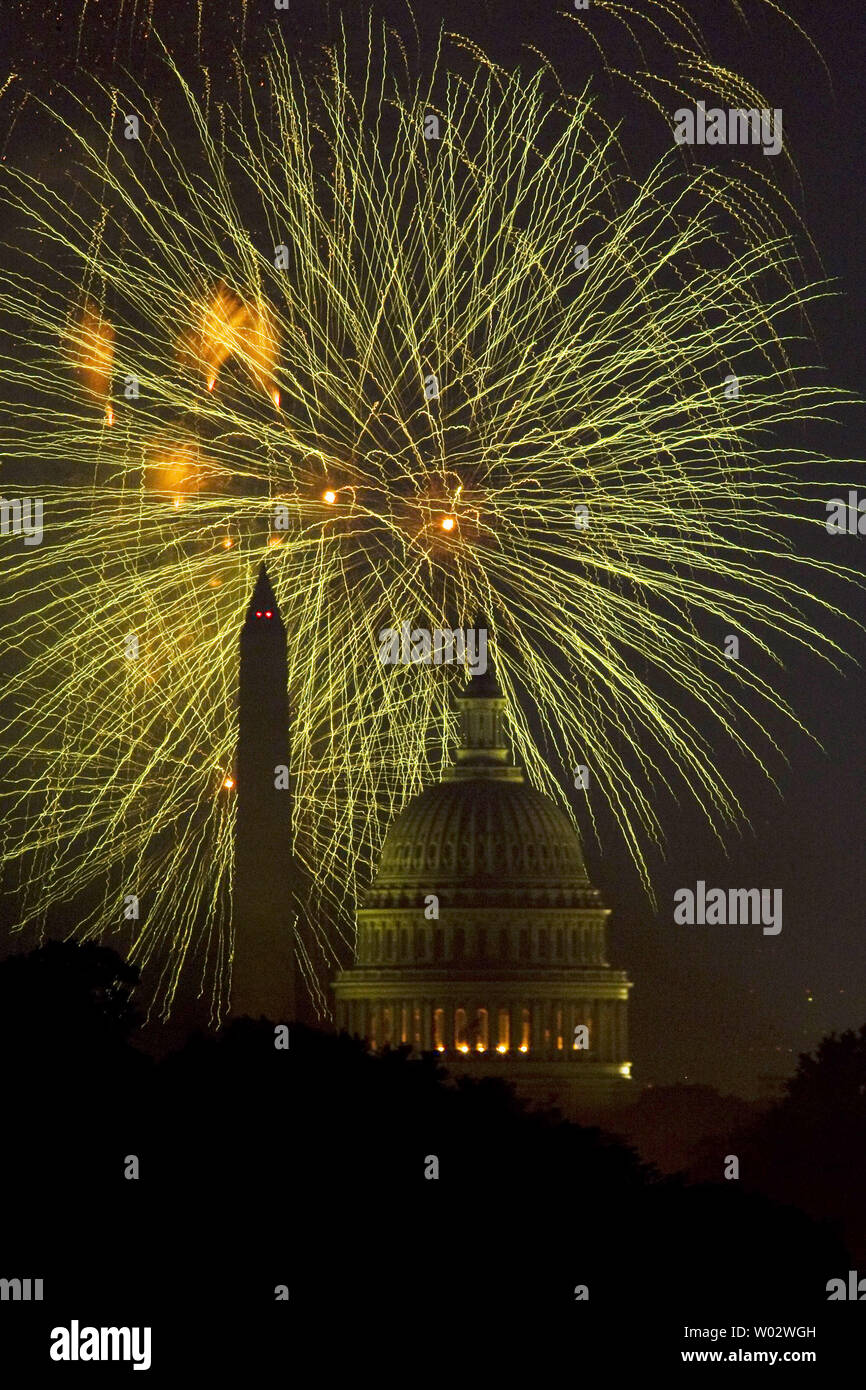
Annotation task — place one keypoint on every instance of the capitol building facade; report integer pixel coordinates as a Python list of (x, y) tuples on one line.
[(481, 937)]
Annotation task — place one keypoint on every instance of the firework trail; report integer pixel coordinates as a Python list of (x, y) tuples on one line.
[(346, 324)]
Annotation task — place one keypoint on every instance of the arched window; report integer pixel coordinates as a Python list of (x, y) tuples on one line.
[(482, 942), (503, 1031), (439, 1029), (459, 943), (504, 944), (543, 943), (524, 943), (460, 1039), (387, 1026), (482, 1031), (437, 943), (557, 1024), (523, 1045), (420, 943)]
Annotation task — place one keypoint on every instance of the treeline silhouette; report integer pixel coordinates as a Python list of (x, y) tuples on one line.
[(260, 1167)]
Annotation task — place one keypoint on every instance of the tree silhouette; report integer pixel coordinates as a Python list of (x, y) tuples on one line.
[(69, 995), (810, 1149)]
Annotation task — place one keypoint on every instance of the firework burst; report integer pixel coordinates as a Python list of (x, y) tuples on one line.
[(347, 324)]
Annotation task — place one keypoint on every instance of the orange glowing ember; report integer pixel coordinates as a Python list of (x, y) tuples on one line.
[(228, 327), (91, 346)]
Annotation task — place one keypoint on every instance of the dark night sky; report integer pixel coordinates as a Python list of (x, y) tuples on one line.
[(725, 1005)]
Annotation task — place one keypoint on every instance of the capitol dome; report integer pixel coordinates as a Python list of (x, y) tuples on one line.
[(481, 936), (488, 838)]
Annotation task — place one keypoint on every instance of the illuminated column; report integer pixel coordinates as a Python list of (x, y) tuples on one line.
[(569, 1019), (514, 1025), (448, 1026), (549, 1043), (492, 1025), (536, 1029), (426, 1025)]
